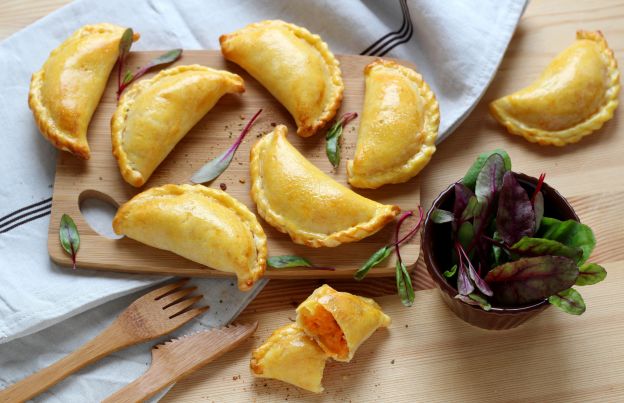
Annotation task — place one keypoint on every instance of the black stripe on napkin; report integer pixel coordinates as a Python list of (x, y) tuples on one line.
[(25, 214), (391, 40)]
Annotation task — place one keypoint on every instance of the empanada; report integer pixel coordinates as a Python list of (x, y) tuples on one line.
[(205, 225), (67, 90), (340, 322), (294, 65), (297, 198), (155, 114), (398, 129), (289, 355), (575, 95)]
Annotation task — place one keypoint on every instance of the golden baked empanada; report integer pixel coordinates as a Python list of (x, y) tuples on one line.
[(296, 197), (289, 355), (67, 90), (575, 95), (340, 322), (155, 114), (398, 129), (294, 65), (205, 225)]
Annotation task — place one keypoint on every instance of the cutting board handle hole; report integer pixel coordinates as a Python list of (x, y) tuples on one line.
[(98, 210)]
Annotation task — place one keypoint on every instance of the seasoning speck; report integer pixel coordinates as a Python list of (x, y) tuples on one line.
[(392, 362), (241, 180), (223, 186), (273, 124)]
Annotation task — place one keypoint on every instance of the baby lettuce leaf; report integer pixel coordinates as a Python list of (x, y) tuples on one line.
[(569, 301), (373, 261), (332, 145), (497, 251), (286, 261), (570, 233), (490, 178), (591, 273), (464, 285), (470, 179), (538, 209), (462, 197), (70, 238), (404, 284), (515, 218), (473, 209), (540, 247), (450, 272), (475, 299), (531, 279), (440, 216), (465, 234)]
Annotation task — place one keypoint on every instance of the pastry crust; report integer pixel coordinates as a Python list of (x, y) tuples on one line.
[(398, 129), (204, 225), (575, 95), (294, 65), (297, 198), (66, 91), (155, 114), (289, 355), (356, 318)]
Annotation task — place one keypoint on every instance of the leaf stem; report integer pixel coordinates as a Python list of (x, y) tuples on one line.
[(538, 187)]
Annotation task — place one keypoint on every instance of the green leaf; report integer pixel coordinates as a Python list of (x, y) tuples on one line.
[(569, 301), (475, 299), (372, 261), (440, 216), (166, 58), (531, 279), (591, 273), (465, 234), (472, 209), (497, 250), (404, 284), (125, 43), (490, 178), (539, 247), (127, 78), (69, 236), (570, 233), (538, 208), (470, 179), (286, 261), (332, 145), (450, 272)]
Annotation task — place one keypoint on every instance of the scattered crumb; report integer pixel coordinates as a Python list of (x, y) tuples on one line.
[(273, 124), (242, 117), (223, 186), (240, 163), (291, 319), (236, 377), (392, 362), (241, 180), (220, 301), (406, 326), (100, 178)]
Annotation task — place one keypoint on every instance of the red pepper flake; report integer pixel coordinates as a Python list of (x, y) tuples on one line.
[(223, 186)]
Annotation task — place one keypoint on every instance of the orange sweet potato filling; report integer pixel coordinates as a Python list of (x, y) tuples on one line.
[(323, 325)]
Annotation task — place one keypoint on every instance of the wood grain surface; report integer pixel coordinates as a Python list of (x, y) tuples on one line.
[(99, 177), (554, 358)]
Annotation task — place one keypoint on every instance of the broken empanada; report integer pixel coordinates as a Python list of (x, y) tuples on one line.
[(296, 197), (67, 90), (204, 225), (155, 114), (289, 355), (575, 95), (294, 65), (339, 322), (398, 129)]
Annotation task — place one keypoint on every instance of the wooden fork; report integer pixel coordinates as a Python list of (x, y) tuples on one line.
[(155, 314)]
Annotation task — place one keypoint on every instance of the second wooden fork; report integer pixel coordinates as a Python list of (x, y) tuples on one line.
[(155, 314)]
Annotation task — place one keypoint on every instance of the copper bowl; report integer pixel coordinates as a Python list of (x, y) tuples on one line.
[(436, 245)]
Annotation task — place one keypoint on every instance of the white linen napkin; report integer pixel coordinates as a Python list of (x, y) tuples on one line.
[(457, 46)]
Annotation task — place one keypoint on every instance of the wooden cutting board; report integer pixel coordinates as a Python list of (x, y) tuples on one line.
[(428, 354), (77, 180)]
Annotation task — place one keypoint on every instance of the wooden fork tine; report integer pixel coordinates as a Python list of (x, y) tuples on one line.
[(160, 292), (188, 315), (180, 306), (175, 297)]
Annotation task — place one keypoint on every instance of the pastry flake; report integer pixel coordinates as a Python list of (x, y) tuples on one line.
[(297, 198), (155, 114), (575, 95), (66, 91), (338, 321), (204, 225), (294, 65), (289, 355), (398, 129)]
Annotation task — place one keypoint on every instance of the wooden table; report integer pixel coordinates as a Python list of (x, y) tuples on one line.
[(588, 173)]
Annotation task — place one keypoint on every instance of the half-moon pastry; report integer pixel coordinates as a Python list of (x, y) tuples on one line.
[(204, 225), (289, 355), (297, 198), (575, 95), (67, 90), (338, 321), (399, 125), (155, 114), (294, 65)]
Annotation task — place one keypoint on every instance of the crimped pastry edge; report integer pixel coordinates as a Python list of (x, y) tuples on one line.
[(249, 218), (575, 133), (417, 162), (314, 240), (133, 176)]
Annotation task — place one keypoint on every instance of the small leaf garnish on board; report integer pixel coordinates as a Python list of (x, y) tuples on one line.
[(216, 166), (164, 59), (372, 261), (70, 238), (288, 261), (332, 145), (124, 48)]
